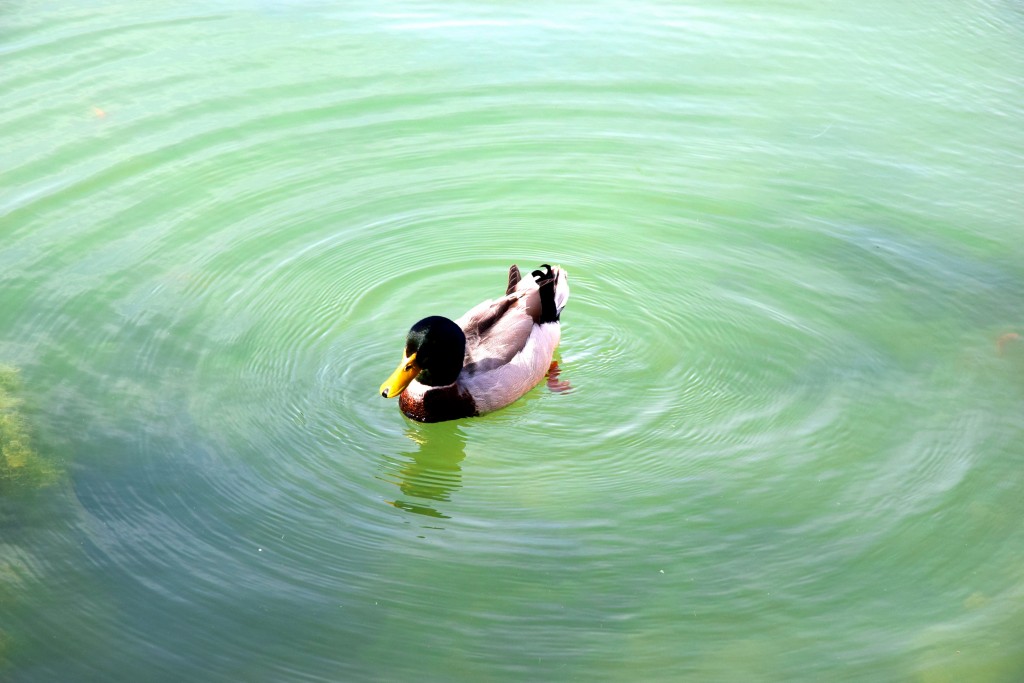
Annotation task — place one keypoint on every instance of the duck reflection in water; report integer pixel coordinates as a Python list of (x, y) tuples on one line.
[(432, 469)]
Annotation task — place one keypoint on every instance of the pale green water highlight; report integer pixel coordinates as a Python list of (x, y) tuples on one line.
[(792, 448)]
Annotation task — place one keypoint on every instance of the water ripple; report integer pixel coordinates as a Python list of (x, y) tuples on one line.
[(213, 246)]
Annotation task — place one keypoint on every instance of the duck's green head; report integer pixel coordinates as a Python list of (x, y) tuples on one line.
[(434, 351)]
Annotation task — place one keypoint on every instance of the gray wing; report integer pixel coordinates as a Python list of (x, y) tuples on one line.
[(498, 329)]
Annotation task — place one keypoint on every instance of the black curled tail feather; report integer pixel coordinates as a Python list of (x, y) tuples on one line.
[(546, 282)]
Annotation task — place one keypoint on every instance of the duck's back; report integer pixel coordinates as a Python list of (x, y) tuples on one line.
[(510, 341)]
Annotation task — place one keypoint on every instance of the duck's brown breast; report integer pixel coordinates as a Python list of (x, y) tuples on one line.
[(438, 404)]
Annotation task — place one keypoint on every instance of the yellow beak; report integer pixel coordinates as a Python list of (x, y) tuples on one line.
[(400, 378)]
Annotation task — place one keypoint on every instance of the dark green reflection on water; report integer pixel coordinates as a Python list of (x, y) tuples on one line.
[(431, 470)]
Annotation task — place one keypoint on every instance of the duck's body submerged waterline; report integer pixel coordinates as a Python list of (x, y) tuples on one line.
[(488, 358)]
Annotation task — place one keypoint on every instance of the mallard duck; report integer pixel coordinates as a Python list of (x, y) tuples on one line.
[(488, 358)]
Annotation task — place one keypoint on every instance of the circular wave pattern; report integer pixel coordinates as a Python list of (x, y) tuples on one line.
[(214, 245)]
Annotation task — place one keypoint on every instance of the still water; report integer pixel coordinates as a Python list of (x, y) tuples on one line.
[(791, 449)]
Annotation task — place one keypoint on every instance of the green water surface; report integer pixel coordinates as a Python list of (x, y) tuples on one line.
[(792, 443)]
